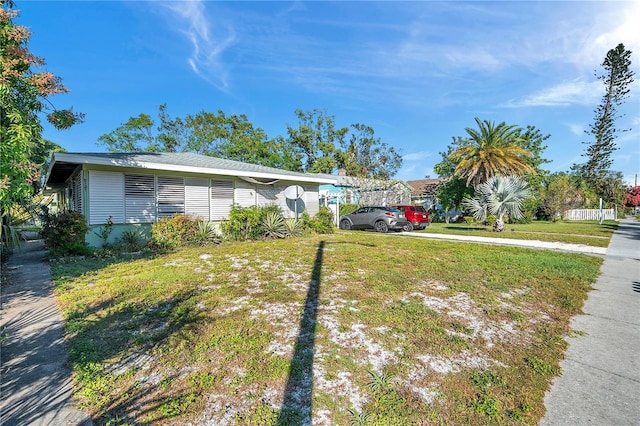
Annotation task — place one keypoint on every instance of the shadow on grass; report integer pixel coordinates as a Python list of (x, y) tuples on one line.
[(95, 343), (466, 228), (114, 329), (297, 405)]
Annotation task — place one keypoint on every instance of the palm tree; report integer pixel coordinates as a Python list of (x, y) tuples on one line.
[(500, 196), (493, 150)]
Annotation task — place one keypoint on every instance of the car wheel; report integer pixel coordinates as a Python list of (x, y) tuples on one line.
[(345, 224), (381, 226), (407, 228)]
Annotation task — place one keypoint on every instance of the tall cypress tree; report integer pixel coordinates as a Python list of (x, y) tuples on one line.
[(616, 77)]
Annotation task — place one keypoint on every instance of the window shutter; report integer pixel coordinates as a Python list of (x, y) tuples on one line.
[(221, 199), (139, 194), (106, 197), (170, 196), (196, 194), (77, 193)]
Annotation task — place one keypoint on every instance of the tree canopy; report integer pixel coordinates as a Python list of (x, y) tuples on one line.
[(491, 150), (316, 145), (365, 155), (24, 96), (216, 134)]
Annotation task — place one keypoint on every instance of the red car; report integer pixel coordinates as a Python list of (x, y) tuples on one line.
[(417, 216)]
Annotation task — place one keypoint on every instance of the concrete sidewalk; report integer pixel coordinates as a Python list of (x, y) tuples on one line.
[(35, 380), (600, 381), (547, 245)]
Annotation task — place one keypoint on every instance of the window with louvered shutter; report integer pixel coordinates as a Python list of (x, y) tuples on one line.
[(139, 195), (106, 197), (77, 193), (221, 199), (170, 196), (197, 197)]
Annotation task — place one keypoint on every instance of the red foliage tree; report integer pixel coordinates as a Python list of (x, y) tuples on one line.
[(632, 197)]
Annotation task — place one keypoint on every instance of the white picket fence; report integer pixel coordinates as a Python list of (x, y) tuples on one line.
[(589, 214)]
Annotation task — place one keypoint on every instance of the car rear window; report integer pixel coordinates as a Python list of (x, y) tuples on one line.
[(418, 209)]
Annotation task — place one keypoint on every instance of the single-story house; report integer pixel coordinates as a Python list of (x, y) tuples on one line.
[(424, 191), (138, 189)]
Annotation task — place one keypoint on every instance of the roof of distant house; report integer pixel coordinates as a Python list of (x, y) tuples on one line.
[(424, 185)]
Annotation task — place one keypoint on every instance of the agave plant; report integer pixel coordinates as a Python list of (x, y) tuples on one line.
[(499, 196), (206, 233), (293, 227), (273, 226)]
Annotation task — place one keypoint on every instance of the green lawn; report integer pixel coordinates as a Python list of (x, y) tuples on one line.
[(338, 329), (573, 232)]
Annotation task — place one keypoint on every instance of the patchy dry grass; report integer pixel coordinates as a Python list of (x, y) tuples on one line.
[(339, 329)]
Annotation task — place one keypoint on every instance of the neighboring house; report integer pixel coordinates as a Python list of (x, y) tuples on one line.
[(354, 190), (424, 191), (138, 189)]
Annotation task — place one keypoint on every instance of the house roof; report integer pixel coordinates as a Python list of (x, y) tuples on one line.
[(350, 181), (63, 164), (424, 185)]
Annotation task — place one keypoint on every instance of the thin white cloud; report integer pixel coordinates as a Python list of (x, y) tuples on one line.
[(416, 156), (208, 45), (576, 129), (618, 24), (576, 92)]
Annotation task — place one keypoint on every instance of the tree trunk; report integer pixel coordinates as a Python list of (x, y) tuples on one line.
[(499, 225)]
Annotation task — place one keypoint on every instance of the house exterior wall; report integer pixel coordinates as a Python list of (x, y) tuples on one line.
[(138, 198)]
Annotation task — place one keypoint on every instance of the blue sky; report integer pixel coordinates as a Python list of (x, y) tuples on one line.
[(417, 72)]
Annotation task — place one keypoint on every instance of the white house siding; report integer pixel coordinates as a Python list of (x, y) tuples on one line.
[(196, 197), (106, 197), (311, 198), (271, 195), (221, 199), (281, 200), (245, 194), (145, 198), (140, 200)]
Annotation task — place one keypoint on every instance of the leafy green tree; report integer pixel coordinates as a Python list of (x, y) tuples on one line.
[(501, 196), (216, 134), (316, 140), (135, 135), (140, 133), (491, 150), (367, 156), (452, 190), (233, 137), (616, 77), (612, 188), (559, 194), (24, 97), (532, 140)]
